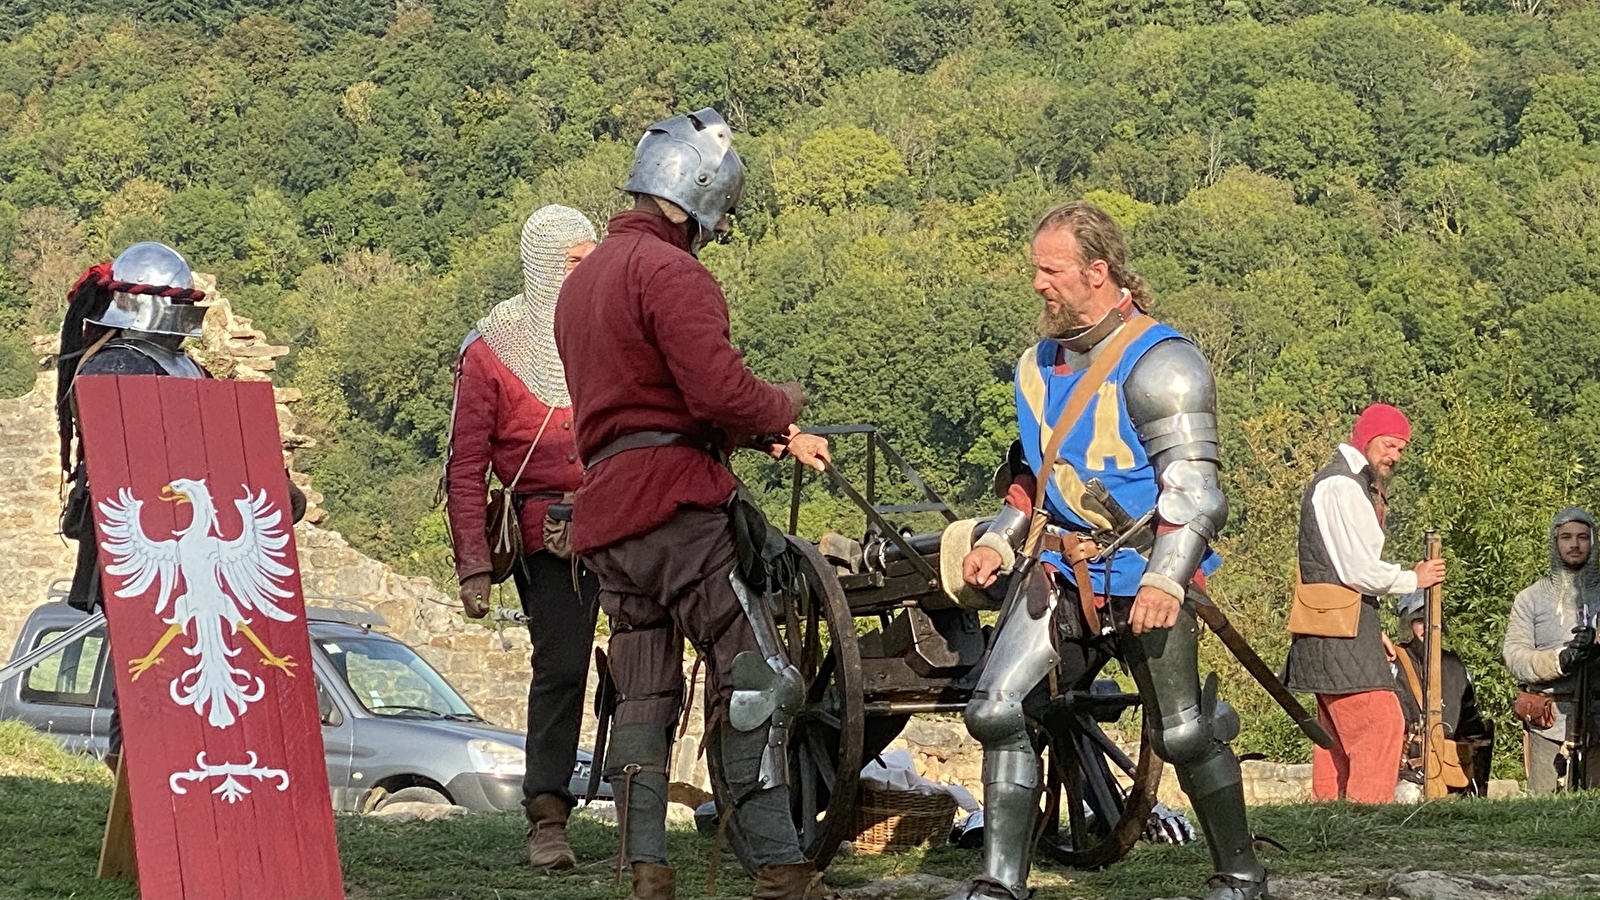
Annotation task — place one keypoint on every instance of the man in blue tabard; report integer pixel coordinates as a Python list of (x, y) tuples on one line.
[(1138, 405)]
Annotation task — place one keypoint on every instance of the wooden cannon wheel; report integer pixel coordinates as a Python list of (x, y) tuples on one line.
[(1091, 818), (825, 741)]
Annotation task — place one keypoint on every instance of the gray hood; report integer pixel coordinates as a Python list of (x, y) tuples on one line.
[(1584, 581)]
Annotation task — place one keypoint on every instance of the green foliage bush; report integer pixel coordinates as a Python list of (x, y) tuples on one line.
[(1341, 202)]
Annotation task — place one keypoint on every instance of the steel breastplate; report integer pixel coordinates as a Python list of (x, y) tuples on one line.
[(172, 360)]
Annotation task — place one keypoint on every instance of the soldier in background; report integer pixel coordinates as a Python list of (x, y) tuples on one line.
[(1341, 544), (512, 415), (1463, 724), (1549, 637), (129, 316)]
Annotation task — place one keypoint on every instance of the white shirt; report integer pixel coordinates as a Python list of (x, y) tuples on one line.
[(1351, 533)]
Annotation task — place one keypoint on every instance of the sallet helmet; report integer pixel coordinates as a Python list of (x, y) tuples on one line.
[(155, 264), (690, 160), (1410, 608)]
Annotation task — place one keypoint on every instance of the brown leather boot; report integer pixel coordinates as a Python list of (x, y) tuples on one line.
[(653, 882), (789, 881), (547, 833)]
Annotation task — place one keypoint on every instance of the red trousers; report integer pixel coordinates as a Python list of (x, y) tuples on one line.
[(1368, 737)]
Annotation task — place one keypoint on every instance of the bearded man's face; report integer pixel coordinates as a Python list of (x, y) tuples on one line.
[(1572, 544), (1061, 279)]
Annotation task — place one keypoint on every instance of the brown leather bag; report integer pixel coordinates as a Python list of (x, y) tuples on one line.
[(1437, 750), (1324, 610), (502, 528), (1537, 711), (557, 533), (504, 532)]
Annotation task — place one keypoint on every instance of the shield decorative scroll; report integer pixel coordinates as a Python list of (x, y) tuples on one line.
[(223, 743)]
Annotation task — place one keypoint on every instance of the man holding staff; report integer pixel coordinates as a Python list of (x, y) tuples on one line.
[(1341, 545)]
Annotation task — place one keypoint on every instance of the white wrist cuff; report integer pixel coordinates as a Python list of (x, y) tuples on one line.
[(1008, 556), (1162, 583)]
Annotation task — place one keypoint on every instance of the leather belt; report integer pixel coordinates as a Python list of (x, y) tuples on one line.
[(640, 440), (1076, 551)]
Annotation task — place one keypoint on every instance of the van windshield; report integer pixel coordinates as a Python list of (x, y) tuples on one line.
[(390, 679)]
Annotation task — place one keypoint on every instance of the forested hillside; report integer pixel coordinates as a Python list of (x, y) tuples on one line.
[(1342, 201)]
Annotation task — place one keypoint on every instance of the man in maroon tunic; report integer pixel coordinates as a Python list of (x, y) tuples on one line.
[(512, 416), (659, 396)]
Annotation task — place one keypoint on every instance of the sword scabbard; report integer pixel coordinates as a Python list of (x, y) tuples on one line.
[(1217, 621)]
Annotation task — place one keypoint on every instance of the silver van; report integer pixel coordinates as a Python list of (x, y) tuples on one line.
[(393, 728)]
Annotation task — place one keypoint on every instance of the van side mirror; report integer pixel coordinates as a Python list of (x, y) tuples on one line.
[(329, 713)]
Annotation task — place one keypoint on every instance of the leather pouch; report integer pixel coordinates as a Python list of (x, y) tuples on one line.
[(1537, 711), (557, 528), (504, 533), (1324, 610)]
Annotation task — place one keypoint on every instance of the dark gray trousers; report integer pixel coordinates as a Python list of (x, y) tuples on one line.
[(659, 588)]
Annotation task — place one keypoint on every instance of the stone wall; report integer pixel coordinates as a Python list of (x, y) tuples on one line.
[(943, 751), (30, 507)]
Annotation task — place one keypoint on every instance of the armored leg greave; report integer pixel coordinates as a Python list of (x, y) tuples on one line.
[(636, 764), (761, 832), (1011, 789), (1217, 795), (1023, 654), (1191, 729)]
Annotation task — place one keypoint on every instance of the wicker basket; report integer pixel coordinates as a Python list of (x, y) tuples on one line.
[(899, 820)]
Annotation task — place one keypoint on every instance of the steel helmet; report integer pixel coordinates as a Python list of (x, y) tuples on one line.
[(152, 264), (689, 160)]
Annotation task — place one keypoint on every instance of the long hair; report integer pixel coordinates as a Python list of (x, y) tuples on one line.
[(1099, 238)]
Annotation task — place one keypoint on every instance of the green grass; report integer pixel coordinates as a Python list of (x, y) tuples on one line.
[(52, 810)]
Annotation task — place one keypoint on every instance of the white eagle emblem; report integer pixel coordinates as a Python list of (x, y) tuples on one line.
[(221, 581)]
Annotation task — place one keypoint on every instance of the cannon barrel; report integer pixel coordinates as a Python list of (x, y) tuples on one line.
[(879, 553)]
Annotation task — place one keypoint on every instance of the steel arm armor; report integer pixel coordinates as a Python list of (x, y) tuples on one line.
[(1172, 403), (1005, 535)]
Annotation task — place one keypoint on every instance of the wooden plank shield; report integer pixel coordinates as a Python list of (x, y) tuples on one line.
[(223, 743)]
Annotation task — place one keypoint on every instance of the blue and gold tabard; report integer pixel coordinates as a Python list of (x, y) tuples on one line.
[(1101, 444)]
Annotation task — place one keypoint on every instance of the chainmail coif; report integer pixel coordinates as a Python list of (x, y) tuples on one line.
[(1580, 588), (521, 331)]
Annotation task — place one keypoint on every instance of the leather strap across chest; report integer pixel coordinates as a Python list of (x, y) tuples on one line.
[(1087, 387)]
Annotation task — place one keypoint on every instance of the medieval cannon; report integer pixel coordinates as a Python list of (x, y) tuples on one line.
[(878, 639)]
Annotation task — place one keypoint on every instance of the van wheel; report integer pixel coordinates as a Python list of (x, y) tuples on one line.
[(413, 795)]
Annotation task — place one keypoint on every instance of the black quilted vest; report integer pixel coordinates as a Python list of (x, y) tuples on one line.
[(1335, 665)]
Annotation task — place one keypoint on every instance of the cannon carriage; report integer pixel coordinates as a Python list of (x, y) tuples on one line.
[(877, 639)]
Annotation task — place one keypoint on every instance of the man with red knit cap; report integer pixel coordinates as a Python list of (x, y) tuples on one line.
[(1341, 543)]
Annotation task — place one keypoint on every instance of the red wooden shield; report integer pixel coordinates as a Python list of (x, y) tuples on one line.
[(223, 742)]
